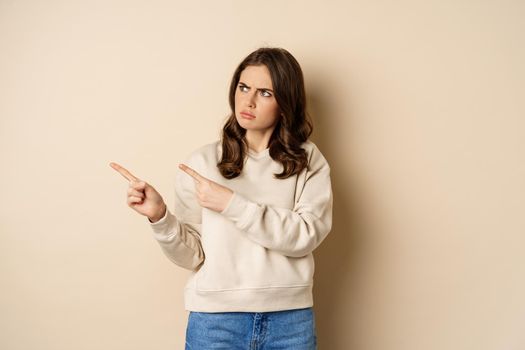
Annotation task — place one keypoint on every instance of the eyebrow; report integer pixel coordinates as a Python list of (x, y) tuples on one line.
[(266, 89)]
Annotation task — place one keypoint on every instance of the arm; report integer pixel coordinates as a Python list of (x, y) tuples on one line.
[(296, 232), (179, 234)]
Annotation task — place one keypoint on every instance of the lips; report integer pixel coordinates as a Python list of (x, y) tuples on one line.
[(247, 115)]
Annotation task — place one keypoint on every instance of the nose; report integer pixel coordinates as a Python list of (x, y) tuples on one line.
[(250, 99)]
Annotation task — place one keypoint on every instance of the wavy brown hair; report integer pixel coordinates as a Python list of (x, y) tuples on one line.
[(293, 127)]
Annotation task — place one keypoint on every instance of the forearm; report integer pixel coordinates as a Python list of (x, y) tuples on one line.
[(293, 233), (179, 241)]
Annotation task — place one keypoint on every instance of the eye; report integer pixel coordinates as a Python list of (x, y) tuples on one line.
[(265, 93), (243, 88)]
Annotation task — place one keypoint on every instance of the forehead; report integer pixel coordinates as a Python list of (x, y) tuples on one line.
[(258, 76)]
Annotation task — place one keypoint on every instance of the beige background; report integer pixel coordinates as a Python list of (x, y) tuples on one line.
[(418, 107)]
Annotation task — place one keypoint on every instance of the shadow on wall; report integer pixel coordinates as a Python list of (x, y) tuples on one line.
[(337, 258)]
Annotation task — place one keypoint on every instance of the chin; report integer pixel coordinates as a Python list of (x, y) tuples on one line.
[(241, 122)]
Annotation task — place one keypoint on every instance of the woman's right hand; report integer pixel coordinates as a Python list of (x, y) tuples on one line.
[(142, 197)]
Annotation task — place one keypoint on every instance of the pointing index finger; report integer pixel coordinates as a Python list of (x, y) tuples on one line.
[(124, 172), (191, 172)]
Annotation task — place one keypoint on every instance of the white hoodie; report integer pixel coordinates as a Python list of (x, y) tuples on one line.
[(255, 255)]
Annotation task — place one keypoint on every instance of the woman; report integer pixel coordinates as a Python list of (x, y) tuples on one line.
[(249, 211)]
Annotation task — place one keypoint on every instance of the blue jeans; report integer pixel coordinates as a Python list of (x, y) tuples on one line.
[(286, 330)]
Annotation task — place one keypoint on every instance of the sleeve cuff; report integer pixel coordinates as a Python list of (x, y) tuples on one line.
[(239, 209), (165, 225)]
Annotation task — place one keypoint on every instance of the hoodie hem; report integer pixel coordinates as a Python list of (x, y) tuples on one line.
[(249, 300)]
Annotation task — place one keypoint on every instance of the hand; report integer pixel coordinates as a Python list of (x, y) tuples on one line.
[(210, 194), (142, 197)]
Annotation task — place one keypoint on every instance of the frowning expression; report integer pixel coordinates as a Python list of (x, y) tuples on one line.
[(255, 105)]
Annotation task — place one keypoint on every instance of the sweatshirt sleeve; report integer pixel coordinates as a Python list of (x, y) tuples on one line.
[(295, 232), (178, 234)]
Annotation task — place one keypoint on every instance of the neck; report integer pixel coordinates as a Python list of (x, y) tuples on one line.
[(258, 141)]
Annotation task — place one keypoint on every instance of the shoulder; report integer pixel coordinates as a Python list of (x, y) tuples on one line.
[(316, 159), (203, 156)]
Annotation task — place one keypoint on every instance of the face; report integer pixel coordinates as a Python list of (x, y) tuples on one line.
[(256, 109)]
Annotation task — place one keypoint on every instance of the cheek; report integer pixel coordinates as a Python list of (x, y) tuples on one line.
[(272, 109)]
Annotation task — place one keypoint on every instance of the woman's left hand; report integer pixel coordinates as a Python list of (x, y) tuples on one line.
[(210, 194)]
